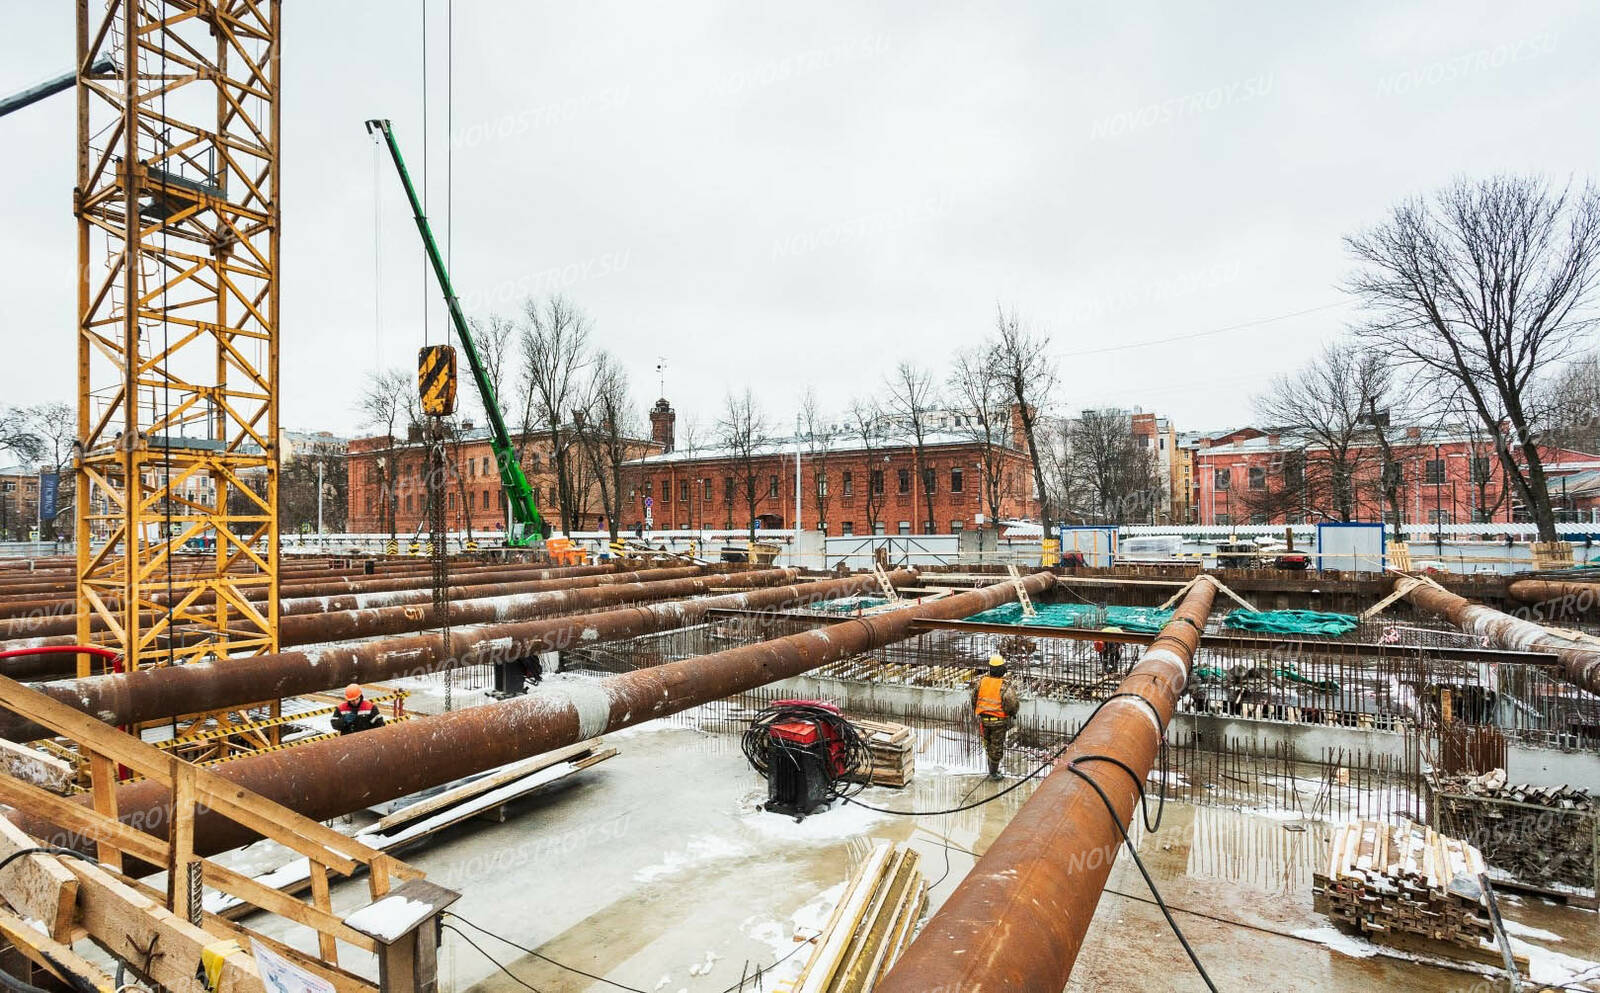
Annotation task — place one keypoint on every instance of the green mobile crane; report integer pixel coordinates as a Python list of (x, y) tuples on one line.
[(525, 528)]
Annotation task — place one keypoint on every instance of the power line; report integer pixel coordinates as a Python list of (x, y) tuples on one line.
[(1201, 334)]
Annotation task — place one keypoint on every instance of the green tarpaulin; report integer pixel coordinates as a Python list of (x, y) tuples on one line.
[(1145, 620), (1291, 622)]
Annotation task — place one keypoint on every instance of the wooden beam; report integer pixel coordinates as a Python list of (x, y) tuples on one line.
[(37, 885), (33, 766), (103, 787), (483, 784), (156, 944), (271, 900), (54, 957), (83, 821)]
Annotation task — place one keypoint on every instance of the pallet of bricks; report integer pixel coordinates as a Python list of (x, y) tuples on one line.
[(870, 927), (1409, 887), (893, 753), (1542, 837)]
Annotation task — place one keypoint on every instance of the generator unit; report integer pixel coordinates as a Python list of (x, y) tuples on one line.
[(803, 748)]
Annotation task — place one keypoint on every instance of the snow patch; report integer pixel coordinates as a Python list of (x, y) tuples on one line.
[(1337, 940), (700, 850)]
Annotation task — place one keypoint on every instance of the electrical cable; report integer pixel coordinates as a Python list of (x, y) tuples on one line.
[(42, 850), (496, 962), (14, 984), (537, 955), (846, 749), (1200, 334)]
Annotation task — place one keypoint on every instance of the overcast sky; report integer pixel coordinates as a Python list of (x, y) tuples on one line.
[(805, 196)]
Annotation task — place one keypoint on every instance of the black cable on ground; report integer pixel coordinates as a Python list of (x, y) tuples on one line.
[(14, 984), (496, 962), (562, 965)]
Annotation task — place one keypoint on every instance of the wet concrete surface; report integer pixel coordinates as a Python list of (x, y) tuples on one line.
[(656, 870)]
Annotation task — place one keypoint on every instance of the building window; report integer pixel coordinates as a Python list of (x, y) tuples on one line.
[(928, 528), (1220, 478), (905, 527), (957, 526), (1480, 469), (408, 501), (1225, 519), (956, 481), (905, 480), (1258, 518), (875, 482), (451, 503), (772, 486), (1434, 468), (534, 461), (1439, 517), (877, 528), (705, 486), (930, 482), (683, 491), (486, 465), (848, 483), (1294, 469), (1258, 479), (822, 526), (727, 490), (485, 499), (847, 527), (822, 484), (649, 489), (472, 468)]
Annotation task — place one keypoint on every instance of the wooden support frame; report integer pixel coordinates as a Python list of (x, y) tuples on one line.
[(69, 893)]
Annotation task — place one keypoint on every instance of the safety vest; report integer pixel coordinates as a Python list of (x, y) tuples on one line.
[(989, 699)]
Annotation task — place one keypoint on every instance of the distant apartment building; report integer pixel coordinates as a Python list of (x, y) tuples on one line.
[(848, 485), (1446, 475), (19, 502)]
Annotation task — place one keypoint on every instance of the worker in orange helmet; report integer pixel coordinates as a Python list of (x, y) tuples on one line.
[(356, 713), (994, 704)]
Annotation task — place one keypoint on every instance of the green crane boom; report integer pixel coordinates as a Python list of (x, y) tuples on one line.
[(525, 527)]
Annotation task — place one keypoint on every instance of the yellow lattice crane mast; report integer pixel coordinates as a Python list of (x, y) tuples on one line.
[(177, 208)]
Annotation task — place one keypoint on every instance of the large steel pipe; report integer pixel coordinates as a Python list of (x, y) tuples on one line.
[(1579, 662), (1018, 919), (1565, 597), (348, 596), (169, 691), (335, 776)]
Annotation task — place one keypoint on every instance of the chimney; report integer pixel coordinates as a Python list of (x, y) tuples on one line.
[(1272, 441), (663, 420)]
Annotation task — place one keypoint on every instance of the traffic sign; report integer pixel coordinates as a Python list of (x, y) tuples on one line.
[(649, 502), (756, 524)]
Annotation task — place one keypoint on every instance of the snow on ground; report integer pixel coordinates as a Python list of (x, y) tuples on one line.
[(842, 820), (782, 937), (1553, 968), (700, 850), (1337, 940), (1524, 931)]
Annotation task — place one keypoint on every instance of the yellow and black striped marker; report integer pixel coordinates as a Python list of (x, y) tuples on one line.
[(436, 379)]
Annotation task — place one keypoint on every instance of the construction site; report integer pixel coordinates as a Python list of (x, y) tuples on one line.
[(239, 761)]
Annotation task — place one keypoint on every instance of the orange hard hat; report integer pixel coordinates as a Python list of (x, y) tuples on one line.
[(353, 691)]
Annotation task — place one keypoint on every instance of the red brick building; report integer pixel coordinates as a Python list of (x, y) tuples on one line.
[(1254, 476), (474, 500), (846, 489)]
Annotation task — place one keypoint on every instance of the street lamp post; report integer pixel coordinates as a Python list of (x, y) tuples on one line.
[(1438, 501)]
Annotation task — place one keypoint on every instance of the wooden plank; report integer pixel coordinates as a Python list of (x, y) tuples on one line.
[(180, 846), (54, 957), (483, 784), (326, 946), (33, 766), (854, 904), (37, 885), (156, 944), (103, 786), (263, 896), (80, 727), (82, 820)]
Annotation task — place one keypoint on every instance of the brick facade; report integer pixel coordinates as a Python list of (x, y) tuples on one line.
[(1246, 477), (692, 490), (474, 499)]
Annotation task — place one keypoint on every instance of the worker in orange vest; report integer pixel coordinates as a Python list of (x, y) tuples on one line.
[(994, 704)]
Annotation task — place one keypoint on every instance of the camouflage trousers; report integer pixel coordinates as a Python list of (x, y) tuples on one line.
[(993, 731)]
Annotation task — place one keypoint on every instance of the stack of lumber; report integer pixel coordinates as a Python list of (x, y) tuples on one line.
[(1407, 886), (871, 925), (893, 753)]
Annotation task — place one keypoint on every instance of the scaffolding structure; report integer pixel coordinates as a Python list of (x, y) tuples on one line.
[(177, 209)]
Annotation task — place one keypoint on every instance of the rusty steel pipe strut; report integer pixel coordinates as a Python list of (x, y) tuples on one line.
[(335, 776), (1549, 590), (314, 628), (1017, 921), (470, 587), (171, 691), (68, 584), (1578, 661)]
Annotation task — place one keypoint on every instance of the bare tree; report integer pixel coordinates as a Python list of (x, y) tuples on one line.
[(1022, 361), (56, 427), (555, 354), (867, 427), (976, 387), (17, 434), (604, 431), (1485, 288), (912, 399), (744, 431), (1117, 471), (385, 405), (1325, 406), (1574, 405), (819, 449)]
